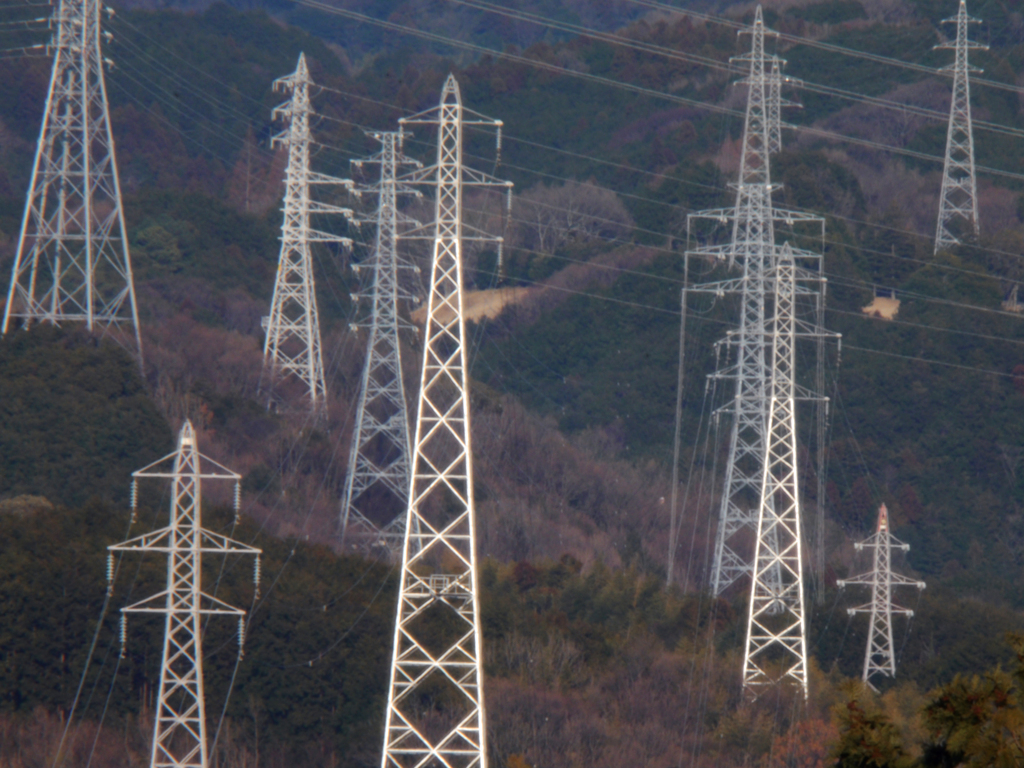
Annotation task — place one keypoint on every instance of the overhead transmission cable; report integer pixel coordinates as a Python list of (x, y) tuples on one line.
[(640, 90), (559, 150), (724, 66)]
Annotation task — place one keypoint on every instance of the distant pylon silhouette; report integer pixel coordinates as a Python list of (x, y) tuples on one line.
[(292, 344), (179, 727), (879, 655), (958, 200), (377, 486), (72, 262), (435, 715)]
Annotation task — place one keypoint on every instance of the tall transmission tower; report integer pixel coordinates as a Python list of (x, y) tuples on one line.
[(179, 728), (438, 643), (292, 328), (377, 485), (879, 656), (72, 262), (776, 647), (958, 201), (751, 247)]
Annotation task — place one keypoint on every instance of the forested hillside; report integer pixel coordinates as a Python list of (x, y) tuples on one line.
[(610, 145)]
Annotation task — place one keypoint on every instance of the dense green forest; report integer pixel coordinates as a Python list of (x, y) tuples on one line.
[(590, 659)]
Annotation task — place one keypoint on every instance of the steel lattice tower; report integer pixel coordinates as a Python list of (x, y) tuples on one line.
[(72, 262), (752, 246), (179, 729), (379, 456), (879, 656), (776, 647), (292, 343), (438, 643), (959, 197)]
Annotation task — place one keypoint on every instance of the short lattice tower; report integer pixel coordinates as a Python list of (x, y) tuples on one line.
[(179, 728), (72, 262), (879, 654)]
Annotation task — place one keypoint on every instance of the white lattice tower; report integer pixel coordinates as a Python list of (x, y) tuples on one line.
[(292, 344), (752, 222), (179, 728), (438, 644), (752, 245), (377, 486), (879, 654), (72, 262), (958, 200), (776, 647)]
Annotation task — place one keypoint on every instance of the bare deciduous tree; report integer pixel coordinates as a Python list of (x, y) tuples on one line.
[(548, 218)]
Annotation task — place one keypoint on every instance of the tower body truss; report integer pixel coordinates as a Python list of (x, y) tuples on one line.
[(377, 486), (72, 262), (879, 654), (179, 729), (776, 647), (958, 200), (437, 642), (292, 344)]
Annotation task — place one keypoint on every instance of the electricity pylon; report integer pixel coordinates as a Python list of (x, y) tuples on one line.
[(879, 656), (179, 728), (437, 642), (751, 246), (378, 464), (72, 262), (958, 200), (292, 343), (776, 647)]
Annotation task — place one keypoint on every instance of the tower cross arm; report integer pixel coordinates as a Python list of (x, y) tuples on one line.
[(211, 606), (153, 470)]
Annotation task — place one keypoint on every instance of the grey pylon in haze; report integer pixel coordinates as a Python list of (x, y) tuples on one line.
[(879, 653), (438, 644), (72, 262), (958, 200), (179, 727), (377, 485), (292, 346)]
